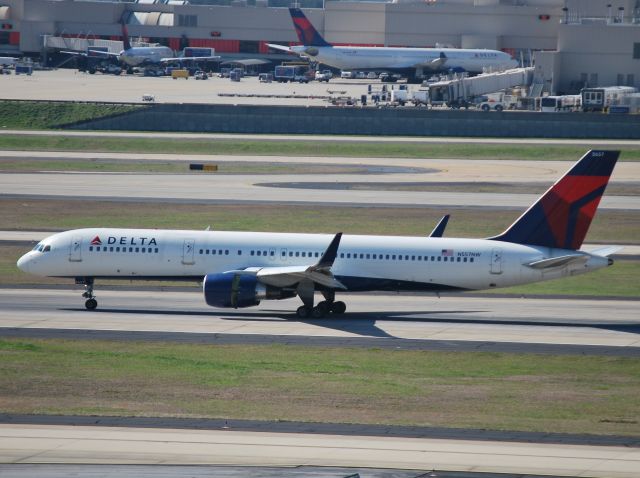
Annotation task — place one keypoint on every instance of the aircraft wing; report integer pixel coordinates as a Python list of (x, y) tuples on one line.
[(180, 59), (279, 47), (435, 64), (558, 261), (97, 53), (288, 276)]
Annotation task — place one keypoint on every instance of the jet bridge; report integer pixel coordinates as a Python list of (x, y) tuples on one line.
[(460, 92)]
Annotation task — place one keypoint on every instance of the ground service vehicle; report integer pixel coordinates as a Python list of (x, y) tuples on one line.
[(175, 74), (324, 75), (289, 73), (599, 99)]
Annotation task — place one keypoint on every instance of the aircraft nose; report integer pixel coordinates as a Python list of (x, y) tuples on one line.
[(24, 263)]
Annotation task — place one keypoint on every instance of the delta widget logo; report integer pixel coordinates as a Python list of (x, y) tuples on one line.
[(96, 241)]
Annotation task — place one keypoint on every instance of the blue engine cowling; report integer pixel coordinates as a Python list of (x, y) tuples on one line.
[(231, 290)]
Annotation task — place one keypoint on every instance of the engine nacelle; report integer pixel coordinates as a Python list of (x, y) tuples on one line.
[(230, 289)]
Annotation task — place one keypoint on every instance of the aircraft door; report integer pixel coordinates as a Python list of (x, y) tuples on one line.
[(75, 249), (496, 261), (188, 252)]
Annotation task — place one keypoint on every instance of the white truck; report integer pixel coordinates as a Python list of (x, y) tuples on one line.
[(402, 97)]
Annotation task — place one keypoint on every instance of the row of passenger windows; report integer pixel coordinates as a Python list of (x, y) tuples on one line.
[(344, 255), (147, 250)]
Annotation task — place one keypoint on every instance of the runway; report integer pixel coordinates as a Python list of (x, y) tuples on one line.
[(475, 321), (92, 445), (243, 189)]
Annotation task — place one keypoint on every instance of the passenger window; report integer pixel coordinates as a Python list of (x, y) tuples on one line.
[(361, 256), (393, 257), (387, 256), (226, 252), (259, 253), (342, 255), (439, 258), (201, 251), (304, 254), (400, 257), (471, 259), (464, 260), (458, 260), (413, 258), (156, 249), (297, 254), (367, 256), (90, 248), (137, 249), (239, 252), (290, 254), (348, 255), (273, 253)]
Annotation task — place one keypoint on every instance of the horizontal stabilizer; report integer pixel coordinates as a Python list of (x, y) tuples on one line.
[(606, 251), (558, 261)]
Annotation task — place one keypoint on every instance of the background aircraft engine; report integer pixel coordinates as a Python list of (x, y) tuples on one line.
[(239, 290)]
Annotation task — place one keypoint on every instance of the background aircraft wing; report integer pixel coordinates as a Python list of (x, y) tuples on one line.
[(180, 59), (435, 64), (279, 47)]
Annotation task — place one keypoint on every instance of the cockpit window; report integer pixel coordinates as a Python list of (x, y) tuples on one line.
[(35, 248), (47, 248)]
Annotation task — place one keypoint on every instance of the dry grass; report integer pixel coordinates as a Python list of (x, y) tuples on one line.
[(579, 394)]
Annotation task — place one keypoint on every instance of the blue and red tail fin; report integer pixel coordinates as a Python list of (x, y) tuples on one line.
[(561, 217), (306, 32)]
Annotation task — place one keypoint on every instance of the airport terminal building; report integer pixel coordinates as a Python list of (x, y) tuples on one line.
[(573, 43)]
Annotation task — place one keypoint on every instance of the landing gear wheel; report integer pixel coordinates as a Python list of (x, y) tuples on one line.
[(338, 308), (319, 311), (303, 312), (91, 304)]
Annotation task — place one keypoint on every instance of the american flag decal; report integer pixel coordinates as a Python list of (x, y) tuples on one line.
[(447, 252)]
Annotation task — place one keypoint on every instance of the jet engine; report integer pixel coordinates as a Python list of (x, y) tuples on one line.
[(231, 289)]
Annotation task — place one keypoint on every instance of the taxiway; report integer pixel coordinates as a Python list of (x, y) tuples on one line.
[(414, 317)]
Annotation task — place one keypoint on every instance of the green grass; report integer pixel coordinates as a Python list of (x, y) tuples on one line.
[(43, 115), (303, 148), (620, 280), (609, 226), (577, 394)]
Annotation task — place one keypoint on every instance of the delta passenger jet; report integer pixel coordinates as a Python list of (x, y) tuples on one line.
[(240, 269), (411, 62)]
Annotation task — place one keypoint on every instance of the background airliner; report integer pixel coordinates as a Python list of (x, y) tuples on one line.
[(413, 63), (142, 55), (239, 269)]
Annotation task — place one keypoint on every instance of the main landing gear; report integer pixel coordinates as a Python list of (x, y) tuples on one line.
[(327, 306), (91, 303)]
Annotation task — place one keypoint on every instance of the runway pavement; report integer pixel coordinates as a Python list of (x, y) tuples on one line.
[(243, 189), (92, 445), (477, 321)]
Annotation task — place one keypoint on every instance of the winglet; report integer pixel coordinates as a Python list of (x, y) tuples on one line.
[(326, 261), (438, 231)]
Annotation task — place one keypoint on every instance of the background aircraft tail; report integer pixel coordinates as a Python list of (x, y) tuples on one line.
[(561, 217), (126, 44), (306, 32)]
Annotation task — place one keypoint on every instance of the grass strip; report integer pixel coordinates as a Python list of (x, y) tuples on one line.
[(574, 394), (305, 148), (52, 115), (609, 226)]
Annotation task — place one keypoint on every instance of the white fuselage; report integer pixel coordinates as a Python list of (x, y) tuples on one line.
[(362, 262), (392, 58), (145, 55)]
